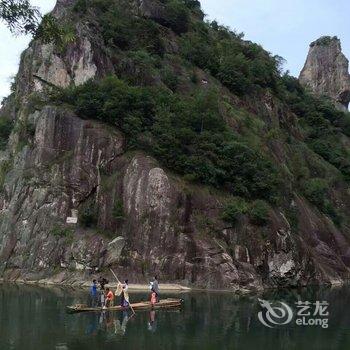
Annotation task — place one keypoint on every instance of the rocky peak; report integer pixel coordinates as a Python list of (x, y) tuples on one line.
[(326, 71), (61, 5), (65, 2), (62, 10)]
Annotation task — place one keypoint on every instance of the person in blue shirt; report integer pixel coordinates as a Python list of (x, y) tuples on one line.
[(94, 294)]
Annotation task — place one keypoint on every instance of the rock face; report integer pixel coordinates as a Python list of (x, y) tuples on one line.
[(326, 71), (146, 220)]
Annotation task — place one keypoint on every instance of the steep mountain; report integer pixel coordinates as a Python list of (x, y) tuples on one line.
[(326, 71), (178, 148)]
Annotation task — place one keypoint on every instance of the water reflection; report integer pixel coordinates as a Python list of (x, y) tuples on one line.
[(93, 324), (35, 318), (61, 347), (109, 323), (152, 323), (121, 323)]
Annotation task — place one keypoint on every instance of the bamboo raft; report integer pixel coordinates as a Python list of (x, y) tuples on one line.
[(144, 305)]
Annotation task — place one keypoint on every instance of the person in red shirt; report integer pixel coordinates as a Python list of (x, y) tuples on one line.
[(153, 298), (109, 298)]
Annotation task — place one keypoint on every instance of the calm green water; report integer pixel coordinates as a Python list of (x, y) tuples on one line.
[(35, 318)]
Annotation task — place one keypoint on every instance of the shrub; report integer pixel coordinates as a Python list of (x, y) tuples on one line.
[(80, 6), (88, 216), (50, 30), (169, 78), (292, 215), (138, 68), (192, 4), (332, 212), (177, 16), (199, 48), (118, 210), (112, 101), (234, 73), (315, 191), (61, 231), (259, 212), (128, 32), (323, 41), (109, 234), (194, 77), (5, 168), (234, 210), (6, 126)]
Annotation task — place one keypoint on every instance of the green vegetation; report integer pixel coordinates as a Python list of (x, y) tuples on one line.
[(118, 210), (236, 208), (177, 16), (25, 131), (62, 231), (23, 18), (106, 233), (6, 126), (19, 16), (292, 215), (186, 133), (317, 192), (120, 28), (138, 68), (259, 212), (88, 215), (170, 78), (241, 66), (50, 30), (5, 167), (324, 41), (322, 124)]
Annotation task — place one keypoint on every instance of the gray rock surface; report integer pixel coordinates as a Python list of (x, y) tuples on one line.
[(326, 71)]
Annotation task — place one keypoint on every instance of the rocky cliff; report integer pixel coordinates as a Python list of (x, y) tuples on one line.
[(326, 71), (77, 200)]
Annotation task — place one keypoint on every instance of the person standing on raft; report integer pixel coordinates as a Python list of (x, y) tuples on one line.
[(122, 290), (155, 287), (102, 281), (93, 294)]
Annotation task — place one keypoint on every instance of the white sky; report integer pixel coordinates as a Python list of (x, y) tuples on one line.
[(284, 27), (11, 48)]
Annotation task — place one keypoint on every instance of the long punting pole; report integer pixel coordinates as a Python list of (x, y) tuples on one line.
[(120, 283)]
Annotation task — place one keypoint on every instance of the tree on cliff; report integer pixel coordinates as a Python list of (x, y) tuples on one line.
[(23, 18), (19, 16)]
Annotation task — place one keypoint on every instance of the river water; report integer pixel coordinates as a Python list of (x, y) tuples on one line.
[(35, 318)]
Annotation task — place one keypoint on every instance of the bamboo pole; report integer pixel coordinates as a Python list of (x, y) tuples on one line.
[(121, 283)]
